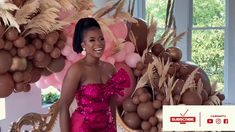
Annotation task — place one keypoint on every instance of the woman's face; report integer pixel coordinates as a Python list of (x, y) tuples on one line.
[(93, 42)]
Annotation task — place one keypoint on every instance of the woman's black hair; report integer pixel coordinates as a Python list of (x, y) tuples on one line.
[(81, 26)]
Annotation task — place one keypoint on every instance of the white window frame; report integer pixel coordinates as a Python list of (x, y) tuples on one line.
[(183, 14)]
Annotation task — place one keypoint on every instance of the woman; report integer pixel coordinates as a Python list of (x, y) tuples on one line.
[(92, 82)]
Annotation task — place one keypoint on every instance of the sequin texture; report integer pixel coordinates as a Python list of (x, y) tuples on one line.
[(93, 113)]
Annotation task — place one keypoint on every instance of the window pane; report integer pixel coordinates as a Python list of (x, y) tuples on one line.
[(208, 53), (157, 8), (208, 13)]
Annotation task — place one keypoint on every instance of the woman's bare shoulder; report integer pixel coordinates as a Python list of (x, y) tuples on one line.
[(109, 67), (77, 66)]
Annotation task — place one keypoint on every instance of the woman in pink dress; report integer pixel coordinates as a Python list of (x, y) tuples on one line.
[(92, 82)]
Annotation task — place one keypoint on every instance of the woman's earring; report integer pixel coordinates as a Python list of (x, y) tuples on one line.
[(83, 51)]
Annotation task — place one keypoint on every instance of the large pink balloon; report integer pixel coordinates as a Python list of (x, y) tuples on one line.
[(132, 59), (127, 91), (41, 83), (119, 29), (67, 50), (120, 56), (129, 47)]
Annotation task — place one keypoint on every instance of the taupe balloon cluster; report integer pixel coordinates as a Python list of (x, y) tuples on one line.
[(143, 110), (24, 59)]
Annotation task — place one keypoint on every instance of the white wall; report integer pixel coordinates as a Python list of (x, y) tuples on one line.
[(18, 104)]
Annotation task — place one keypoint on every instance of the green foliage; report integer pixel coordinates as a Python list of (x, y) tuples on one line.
[(50, 98), (208, 13), (208, 53)]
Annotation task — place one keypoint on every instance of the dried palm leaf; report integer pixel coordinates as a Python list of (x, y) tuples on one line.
[(151, 33), (142, 82), (163, 37), (45, 4), (23, 14), (199, 86), (164, 70), (132, 8), (189, 83), (66, 4), (83, 4), (168, 38), (7, 17), (177, 38), (152, 77), (214, 87), (126, 16), (77, 16), (133, 39), (46, 21), (107, 8), (215, 99), (106, 29), (119, 8)]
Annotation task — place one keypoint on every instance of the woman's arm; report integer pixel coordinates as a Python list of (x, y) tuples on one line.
[(70, 85)]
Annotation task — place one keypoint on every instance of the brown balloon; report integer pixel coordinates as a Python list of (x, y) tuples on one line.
[(129, 106), (18, 76), (157, 49), (191, 97), (57, 65), (132, 120), (46, 72), (175, 53), (27, 88), (39, 55), (55, 53), (2, 30), (18, 3), (18, 64), (43, 63), (37, 43), (140, 31), (35, 74), (5, 61), (47, 47), (60, 44), (2, 43), (23, 52), (20, 42), (205, 79), (19, 87), (6, 85), (52, 37), (11, 34), (13, 51), (145, 110), (8, 45)]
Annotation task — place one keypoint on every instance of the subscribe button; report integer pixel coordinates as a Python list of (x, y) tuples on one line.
[(198, 118)]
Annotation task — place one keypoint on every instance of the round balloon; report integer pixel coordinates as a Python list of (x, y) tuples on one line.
[(6, 85)]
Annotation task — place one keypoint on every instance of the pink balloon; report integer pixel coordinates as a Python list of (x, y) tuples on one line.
[(119, 29), (127, 91), (129, 47), (41, 84), (132, 59), (120, 56), (67, 50), (51, 80)]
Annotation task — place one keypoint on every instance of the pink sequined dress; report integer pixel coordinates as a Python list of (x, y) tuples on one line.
[(93, 113)]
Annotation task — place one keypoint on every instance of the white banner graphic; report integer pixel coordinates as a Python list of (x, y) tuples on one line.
[(198, 118)]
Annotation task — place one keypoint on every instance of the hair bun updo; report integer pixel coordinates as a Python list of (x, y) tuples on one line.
[(81, 26)]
